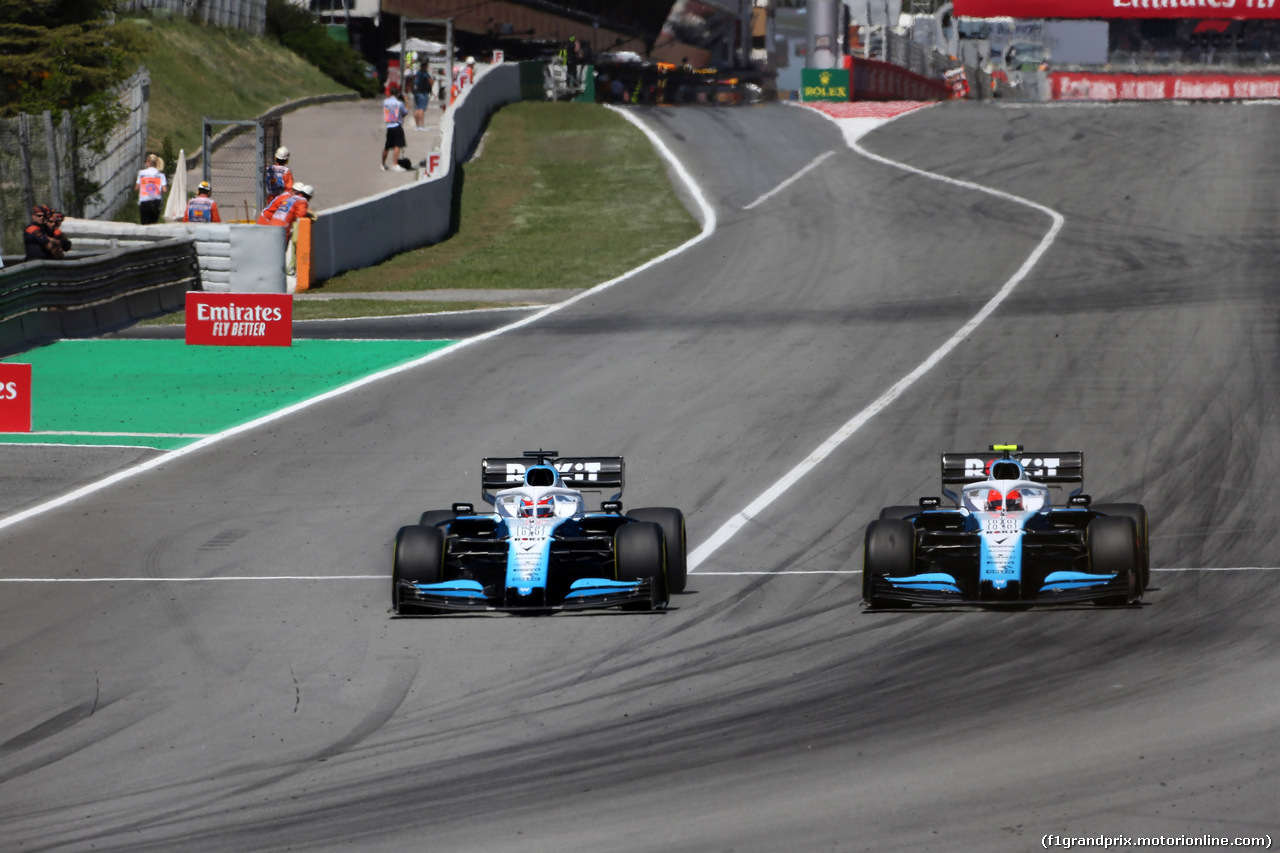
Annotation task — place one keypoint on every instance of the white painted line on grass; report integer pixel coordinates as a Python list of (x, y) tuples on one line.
[(771, 494), (813, 164), (708, 228)]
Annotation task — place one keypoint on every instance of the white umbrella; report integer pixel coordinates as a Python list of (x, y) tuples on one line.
[(176, 207), (418, 45)]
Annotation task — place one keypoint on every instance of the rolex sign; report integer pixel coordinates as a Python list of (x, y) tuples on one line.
[(824, 84)]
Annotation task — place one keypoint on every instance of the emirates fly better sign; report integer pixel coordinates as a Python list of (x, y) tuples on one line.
[(1102, 9), (240, 319), (15, 398)]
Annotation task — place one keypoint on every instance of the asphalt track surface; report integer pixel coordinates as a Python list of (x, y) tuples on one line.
[(767, 711)]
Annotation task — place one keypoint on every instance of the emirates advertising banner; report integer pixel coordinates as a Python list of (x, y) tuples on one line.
[(240, 319), (1074, 86), (1241, 9), (15, 398)]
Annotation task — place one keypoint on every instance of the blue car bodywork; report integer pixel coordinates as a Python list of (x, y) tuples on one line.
[(540, 549), (1004, 541)]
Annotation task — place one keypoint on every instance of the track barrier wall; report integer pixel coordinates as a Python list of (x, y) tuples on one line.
[(369, 231), (46, 300), (872, 80), (232, 258)]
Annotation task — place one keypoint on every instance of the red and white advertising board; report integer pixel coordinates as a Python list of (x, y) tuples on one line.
[(15, 398), (240, 319), (1078, 86), (1239, 9)]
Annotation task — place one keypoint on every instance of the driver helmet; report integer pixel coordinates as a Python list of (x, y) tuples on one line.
[(1011, 501), (542, 507)]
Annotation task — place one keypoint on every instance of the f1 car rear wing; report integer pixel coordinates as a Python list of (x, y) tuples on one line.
[(1060, 468), (1050, 468), (585, 473)]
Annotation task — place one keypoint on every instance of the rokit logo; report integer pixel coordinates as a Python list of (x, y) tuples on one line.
[(240, 319), (1037, 467), (586, 472)]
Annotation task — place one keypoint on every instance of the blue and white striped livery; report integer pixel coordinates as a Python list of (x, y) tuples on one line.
[(541, 549), (1004, 541)]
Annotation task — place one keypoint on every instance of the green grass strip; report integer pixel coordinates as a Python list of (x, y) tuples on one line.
[(561, 195), (166, 394)]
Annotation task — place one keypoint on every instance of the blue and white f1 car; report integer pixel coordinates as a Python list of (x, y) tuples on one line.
[(1004, 542), (540, 549)]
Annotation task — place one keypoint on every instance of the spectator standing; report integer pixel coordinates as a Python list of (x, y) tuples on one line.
[(53, 225), (150, 186), (279, 175), (38, 239), (406, 79), (393, 113), (575, 57), (203, 208), (422, 84)]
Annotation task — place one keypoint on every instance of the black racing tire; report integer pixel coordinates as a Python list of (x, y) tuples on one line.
[(1139, 515), (889, 550), (898, 512), (671, 520), (418, 557), (639, 552), (435, 517), (1113, 550)]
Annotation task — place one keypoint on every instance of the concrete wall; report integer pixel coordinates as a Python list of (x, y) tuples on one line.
[(367, 232)]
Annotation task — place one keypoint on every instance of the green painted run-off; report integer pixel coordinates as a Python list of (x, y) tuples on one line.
[(165, 394)]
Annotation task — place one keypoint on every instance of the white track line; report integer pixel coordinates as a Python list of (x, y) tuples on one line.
[(388, 576), (1227, 569), (771, 494), (203, 580), (813, 164), (708, 228), (118, 434)]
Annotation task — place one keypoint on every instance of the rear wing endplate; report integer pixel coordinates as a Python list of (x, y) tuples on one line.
[(585, 473)]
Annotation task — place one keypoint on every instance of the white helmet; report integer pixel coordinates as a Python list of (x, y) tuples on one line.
[(304, 189), (471, 60), (282, 153)]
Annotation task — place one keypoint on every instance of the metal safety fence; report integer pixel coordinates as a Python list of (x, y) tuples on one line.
[(42, 161), (43, 301), (244, 149), (247, 15)]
